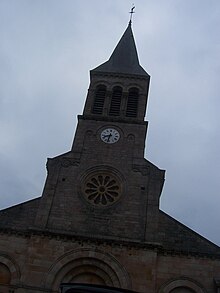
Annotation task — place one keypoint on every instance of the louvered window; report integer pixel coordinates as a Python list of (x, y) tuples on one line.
[(132, 103), (116, 101), (99, 99)]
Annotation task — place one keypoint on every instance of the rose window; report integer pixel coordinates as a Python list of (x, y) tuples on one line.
[(102, 189)]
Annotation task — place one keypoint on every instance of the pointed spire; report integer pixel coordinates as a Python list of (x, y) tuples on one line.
[(124, 58)]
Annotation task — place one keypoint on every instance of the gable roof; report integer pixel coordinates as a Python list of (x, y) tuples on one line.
[(175, 236), (19, 217), (172, 235)]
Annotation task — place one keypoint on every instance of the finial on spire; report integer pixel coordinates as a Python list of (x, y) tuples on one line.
[(131, 12)]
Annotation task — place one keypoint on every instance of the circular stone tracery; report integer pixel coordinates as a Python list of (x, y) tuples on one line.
[(102, 189)]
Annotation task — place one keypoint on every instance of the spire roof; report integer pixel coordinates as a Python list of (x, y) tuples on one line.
[(124, 58)]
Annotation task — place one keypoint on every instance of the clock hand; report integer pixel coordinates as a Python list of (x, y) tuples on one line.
[(109, 136), (105, 135)]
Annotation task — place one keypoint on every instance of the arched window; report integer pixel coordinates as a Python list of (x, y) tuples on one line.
[(132, 102), (99, 99), (115, 101)]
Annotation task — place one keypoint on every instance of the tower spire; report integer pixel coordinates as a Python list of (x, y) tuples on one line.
[(124, 58)]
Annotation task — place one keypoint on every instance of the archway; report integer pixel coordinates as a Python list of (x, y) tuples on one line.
[(87, 266)]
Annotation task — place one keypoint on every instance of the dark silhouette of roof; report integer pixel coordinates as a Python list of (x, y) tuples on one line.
[(124, 58), (171, 234)]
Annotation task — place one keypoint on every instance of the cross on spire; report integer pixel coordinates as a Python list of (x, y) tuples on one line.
[(131, 12)]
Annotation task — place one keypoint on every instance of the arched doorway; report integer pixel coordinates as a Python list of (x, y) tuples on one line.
[(87, 266)]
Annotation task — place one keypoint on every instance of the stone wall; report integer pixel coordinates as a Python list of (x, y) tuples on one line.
[(39, 263)]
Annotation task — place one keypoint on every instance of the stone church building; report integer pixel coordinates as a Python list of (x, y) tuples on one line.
[(98, 220)]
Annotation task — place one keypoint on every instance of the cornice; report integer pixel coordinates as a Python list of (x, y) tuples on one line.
[(114, 242)]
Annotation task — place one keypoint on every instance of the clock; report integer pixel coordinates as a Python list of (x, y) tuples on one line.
[(110, 135)]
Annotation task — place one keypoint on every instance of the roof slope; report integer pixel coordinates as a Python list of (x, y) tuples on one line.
[(175, 236), (19, 217)]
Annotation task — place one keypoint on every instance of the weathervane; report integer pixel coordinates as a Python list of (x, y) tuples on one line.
[(131, 12)]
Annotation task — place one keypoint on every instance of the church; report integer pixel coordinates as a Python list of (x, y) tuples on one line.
[(98, 220)]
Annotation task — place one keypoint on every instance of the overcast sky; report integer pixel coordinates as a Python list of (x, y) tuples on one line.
[(46, 51)]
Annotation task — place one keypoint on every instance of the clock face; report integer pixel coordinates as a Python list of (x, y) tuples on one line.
[(110, 135)]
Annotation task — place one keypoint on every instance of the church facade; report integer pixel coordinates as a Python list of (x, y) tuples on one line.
[(98, 220)]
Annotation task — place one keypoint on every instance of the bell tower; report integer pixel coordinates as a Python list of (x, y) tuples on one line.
[(118, 93), (104, 187)]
